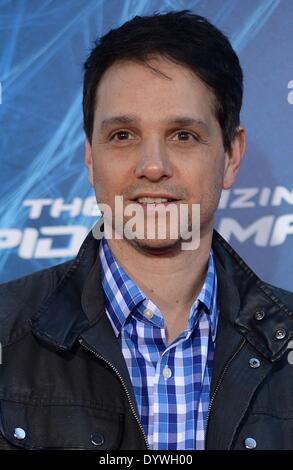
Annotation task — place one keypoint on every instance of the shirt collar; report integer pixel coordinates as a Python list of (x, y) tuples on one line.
[(122, 295)]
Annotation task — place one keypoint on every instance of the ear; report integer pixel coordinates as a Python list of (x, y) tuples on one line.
[(88, 160), (233, 158)]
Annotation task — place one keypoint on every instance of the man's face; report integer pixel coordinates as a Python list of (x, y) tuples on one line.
[(157, 135)]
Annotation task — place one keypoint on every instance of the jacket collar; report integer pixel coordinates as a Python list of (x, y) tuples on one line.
[(77, 303), (242, 295)]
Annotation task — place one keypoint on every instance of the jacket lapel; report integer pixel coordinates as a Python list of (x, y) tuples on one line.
[(227, 340)]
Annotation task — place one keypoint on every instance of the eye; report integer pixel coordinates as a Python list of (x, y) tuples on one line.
[(184, 136), (121, 135)]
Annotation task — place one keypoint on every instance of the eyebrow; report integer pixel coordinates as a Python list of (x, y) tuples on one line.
[(176, 120)]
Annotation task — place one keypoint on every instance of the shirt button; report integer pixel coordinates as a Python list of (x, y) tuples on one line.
[(148, 313), (167, 373)]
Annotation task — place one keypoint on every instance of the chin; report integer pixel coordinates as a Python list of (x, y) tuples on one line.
[(157, 247)]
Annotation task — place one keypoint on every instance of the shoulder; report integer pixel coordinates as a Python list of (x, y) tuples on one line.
[(21, 298), (237, 268)]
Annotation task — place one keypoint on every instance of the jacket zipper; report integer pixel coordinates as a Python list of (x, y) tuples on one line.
[(86, 346), (219, 383)]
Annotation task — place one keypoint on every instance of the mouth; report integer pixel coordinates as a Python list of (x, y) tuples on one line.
[(155, 199), (145, 201)]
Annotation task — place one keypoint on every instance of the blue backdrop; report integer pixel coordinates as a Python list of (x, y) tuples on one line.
[(47, 206)]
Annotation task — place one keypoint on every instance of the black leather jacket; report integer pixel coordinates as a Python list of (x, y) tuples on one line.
[(64, 383)]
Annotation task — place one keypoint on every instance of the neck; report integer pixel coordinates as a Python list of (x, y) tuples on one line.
[(171, 282)]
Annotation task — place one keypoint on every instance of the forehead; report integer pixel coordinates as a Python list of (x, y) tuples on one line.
[(157, 86)]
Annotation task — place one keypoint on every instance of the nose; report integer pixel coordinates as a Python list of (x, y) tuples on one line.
[(153, 162)]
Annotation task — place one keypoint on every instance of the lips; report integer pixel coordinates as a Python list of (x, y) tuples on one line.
[(153, 198)]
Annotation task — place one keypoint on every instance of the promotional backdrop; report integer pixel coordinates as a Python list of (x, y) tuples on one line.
[(47, 206)]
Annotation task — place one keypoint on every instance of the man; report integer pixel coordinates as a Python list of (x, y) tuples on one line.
[(138, 343)]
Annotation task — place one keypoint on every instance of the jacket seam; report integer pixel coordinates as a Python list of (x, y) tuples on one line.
[(19, 338), (273, 415), (70, 403)]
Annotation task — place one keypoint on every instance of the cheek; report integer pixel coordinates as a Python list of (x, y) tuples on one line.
[(205, 181), (114, 168), (195, 176), (104, 171), (109, 180)]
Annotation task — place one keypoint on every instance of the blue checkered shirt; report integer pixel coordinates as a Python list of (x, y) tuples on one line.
[(171, 382)]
